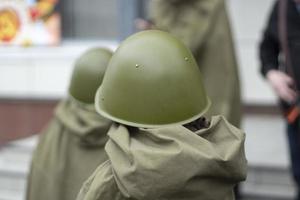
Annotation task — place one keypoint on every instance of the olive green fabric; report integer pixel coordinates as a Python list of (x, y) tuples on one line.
[(88, 74), (152, 80), (204, 27), (69, 150), (170, 163)]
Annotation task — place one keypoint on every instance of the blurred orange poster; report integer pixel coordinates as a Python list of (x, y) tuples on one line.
[(29, 22)]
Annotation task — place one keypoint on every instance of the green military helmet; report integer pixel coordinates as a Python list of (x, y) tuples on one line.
[(88, 74), (152, 80)]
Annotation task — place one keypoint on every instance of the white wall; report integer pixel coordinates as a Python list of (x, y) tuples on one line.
[(248, 19), (40, 72)]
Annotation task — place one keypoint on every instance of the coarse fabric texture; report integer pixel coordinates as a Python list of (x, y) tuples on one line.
[(69, 150), (204, 27), (171, 163)]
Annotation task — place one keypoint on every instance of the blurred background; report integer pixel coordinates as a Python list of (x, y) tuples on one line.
[(35, 72)]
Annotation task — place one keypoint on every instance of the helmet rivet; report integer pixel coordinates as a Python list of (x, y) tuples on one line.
[(186, 58), (137, 65)]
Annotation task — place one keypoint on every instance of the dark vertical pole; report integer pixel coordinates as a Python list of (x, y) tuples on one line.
[(67, 12), (129, 10), (141, 9)]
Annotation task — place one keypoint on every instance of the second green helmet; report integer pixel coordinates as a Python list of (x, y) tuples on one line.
[(88, 74), (152, 80)]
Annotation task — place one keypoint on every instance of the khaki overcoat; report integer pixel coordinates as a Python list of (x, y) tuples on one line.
[(69, 150), (204, 27), (171, 163)]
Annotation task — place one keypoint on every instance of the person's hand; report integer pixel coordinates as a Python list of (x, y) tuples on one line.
[(142, 24), (282, 85)]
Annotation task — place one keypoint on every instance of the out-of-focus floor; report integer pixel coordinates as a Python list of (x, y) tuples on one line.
[(14, 167), (267, 154), (268, 174)]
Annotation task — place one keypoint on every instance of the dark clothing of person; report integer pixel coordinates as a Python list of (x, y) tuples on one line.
[(270, 50), (294, 150), (294, 144), (270, 45)]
